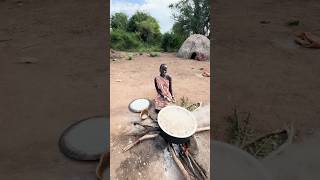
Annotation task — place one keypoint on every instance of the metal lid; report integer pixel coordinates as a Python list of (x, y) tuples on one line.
[(86, 139), (139, 105)]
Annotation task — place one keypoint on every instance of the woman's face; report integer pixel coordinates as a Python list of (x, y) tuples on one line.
[(164, 70)]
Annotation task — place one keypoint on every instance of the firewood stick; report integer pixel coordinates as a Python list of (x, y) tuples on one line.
[(203, 129), (191, 166), (146, 126), (147, 132), (179, 163), (200, 169), (145, 137)]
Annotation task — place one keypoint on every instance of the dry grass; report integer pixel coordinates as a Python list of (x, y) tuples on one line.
[(240, 131), (186, 103), (244, 136)]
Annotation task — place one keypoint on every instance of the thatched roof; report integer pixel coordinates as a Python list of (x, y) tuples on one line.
[(197, 47)]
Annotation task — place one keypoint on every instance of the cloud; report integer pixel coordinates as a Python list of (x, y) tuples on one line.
[(157, 8)]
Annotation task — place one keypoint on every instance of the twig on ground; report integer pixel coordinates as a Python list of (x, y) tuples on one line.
[(145, 137), (203, 129), (146, 126)]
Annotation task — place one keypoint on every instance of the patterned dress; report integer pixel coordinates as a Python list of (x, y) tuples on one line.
[(163, 85)]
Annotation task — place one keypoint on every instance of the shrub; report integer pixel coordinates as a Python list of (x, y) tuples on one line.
[(122, 40), (130, 56), (171, 42), (147, 48), (154, 54)]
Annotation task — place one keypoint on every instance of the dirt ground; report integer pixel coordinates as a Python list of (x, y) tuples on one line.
[(66, 83), (258, 67), (132, 79)]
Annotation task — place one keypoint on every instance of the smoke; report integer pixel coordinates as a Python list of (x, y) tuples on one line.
[(202, 116)]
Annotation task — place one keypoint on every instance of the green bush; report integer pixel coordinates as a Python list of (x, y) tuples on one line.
[(154, 54), (171, 42), (125, 41), (147, 48)]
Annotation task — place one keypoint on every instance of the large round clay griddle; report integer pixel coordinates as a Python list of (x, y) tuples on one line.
[(177, 121), (139, 105), (230, 163), (86, 139)]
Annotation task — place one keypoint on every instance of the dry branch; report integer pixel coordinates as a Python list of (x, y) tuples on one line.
[(145, 137), (203, 129)]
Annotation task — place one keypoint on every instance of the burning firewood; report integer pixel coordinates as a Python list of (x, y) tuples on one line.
[(182, 154), (179, 163)]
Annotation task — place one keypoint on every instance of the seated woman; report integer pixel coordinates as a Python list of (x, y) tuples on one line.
[(163, 85)]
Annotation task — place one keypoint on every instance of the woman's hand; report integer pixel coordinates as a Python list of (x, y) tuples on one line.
[(168, 99)]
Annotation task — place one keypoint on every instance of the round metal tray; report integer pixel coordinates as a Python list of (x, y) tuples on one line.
[(86, 139)]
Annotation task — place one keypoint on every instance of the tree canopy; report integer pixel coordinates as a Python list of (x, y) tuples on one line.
[(146, 26), (119, 21), (139, 31), (192, 17)]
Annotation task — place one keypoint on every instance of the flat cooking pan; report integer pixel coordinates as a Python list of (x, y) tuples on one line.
[(176, 124)]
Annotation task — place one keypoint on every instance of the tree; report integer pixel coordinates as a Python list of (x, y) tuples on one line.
[(179, 29), (119, 21), (149, 30), (135, 20), (192, 16), (146, 27)]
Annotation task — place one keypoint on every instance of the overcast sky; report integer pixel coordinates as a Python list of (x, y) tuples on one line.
[(157, 8)]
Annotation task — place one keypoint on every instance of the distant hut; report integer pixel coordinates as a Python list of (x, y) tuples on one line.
[(196, 47)]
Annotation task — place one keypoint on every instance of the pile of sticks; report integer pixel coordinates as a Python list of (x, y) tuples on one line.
[(188, 166)]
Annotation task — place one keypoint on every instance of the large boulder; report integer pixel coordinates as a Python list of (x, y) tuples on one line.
[(196, 47)]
